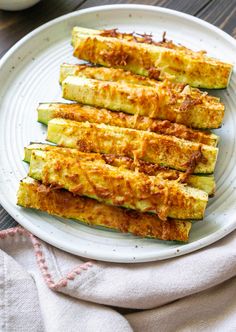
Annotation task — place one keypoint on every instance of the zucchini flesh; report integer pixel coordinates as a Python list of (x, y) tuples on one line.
[(33, 194), (205, 183), (116, 186), (79, 112), (157, 149), (158, 103), (178, 65)]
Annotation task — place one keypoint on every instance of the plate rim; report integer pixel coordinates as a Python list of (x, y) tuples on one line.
[(111, 257)]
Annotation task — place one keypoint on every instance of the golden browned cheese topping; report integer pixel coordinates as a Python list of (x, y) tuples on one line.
[(195, 158), (116, 58), (155, 169), (154, 73), (110, 33), (190, 102), (140, 165)]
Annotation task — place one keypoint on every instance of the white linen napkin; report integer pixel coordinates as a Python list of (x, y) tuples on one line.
[(45, 289)]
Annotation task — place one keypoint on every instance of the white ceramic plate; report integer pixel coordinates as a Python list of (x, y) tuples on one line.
[(29, 75)]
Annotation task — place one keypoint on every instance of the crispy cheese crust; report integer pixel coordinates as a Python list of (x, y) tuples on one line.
[(158, 149), (33, 194), (177, 64), (79, 112), (205, 183), (117, 186), (161, 102)]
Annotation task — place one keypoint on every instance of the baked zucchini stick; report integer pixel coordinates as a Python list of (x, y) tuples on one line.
[(116, 186), (158, 103), (33, 194), (79, 112), (205, 183), (157, 149), (125, 76), (177, 64)]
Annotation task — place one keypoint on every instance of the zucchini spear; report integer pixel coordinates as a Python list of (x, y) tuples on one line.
[(116, 186), (157, 149), (205, 183), (33, 194), (161, 103), (124, 76), (177, 63), (79, 112)]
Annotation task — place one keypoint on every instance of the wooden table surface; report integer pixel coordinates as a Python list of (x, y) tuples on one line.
[(15, 25)]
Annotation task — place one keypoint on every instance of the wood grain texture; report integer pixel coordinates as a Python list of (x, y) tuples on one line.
[(221, 14), (15, 25), (6, 221), (185, 6)]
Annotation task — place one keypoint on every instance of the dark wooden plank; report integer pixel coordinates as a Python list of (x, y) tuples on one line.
[(15, 25), (190, 7), (221, 14), (6, 221)]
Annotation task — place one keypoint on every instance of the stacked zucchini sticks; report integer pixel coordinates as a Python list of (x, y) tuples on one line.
[(133, 153)]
